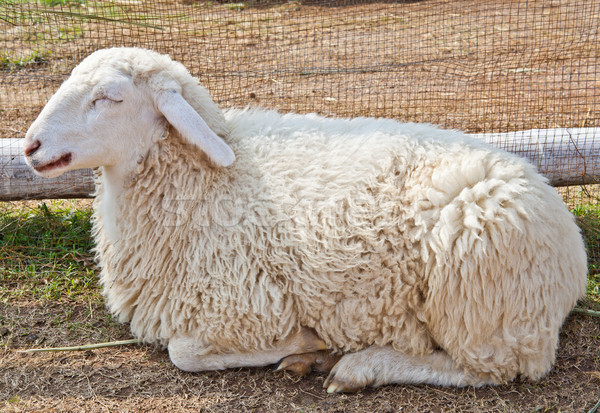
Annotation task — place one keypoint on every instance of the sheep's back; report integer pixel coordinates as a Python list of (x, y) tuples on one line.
[(424, 237), (363, 229)]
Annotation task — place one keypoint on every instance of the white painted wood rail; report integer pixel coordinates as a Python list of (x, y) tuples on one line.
[(565, 156)]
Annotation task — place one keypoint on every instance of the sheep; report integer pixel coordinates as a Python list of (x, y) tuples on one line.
[(382, 252)]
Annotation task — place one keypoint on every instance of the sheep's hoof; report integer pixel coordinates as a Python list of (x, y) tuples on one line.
[(301, 364), (334, 385), (350, 375)]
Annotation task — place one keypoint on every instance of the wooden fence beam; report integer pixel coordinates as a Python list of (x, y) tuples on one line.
[(564, 156), (18, 181)]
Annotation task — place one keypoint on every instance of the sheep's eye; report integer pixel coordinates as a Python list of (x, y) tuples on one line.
[(104, 101)]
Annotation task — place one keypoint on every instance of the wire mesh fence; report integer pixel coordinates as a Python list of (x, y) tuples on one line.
[(491, 66), (486, 66)]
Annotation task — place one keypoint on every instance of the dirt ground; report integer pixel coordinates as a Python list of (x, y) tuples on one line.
[(141, 378), (480, 70)]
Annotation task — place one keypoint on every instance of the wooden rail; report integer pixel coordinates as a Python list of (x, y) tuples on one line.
[(564, 156), (18, 181)]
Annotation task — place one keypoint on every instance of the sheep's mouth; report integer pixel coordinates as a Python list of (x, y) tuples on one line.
[(59, 163)]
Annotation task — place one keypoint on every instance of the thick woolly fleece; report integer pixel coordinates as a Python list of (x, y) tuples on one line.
[(370, 231)]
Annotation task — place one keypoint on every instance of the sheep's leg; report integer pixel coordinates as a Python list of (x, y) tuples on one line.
[(189, 355), (302, 364), (377, 365)]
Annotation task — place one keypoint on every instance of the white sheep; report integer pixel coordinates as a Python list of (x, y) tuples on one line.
[(235, 239)]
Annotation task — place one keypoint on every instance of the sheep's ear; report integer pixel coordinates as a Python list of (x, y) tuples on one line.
[(192, 127)]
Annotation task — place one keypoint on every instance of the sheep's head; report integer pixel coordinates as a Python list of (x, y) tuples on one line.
[(114, 105)]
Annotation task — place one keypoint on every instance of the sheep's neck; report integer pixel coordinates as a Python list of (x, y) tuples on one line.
[(113, 185), (118, 177), (121, 184)]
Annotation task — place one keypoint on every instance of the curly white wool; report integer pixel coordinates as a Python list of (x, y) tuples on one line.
[(370, 231)]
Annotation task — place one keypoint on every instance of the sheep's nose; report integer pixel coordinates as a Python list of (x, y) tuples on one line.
[(30, 149)]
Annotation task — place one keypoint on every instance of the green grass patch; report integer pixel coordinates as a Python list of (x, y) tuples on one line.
[(45, 251), (235, 6), (62, 2), (593, 289), (12, 61), (588, 219)]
